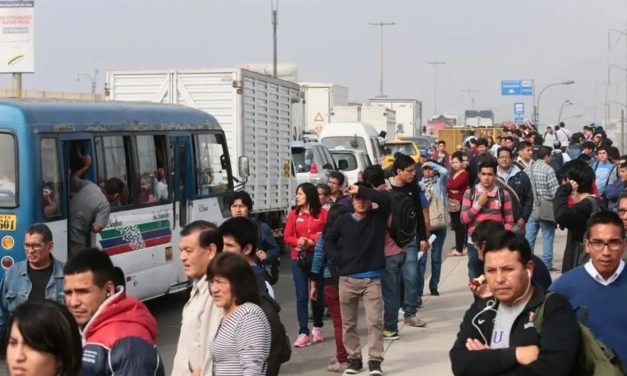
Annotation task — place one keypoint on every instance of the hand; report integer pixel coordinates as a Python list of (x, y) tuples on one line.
[(86, 160), (573, 185), (96, 228), (262, 255), (476, 345), (352, 189), (313, 292), (483, 198), (302, 241), (424, 245), (527, 354), (482, 291), (196, 372)]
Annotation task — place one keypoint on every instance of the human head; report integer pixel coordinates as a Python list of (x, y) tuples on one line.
[(505, 158), (549, 129), (483, 231), (113, 189), (373, 176), (43, 340), (602, 155), (465, 160), (361, 206), (579, 171), (622, 209), (89, 281), (487, 172), (441, 146), (240, 204), (605, 242), (324, 193), (427, 171), (508, 266), (232, 281), (597, 139), (457, 159), (509, 142), (587, 147), (336, 181), (240, 235), (622, 172), (404, 168), (525, 150), (614, 154), (544, 153), (307, 198), (482, 145), (194, 256), (38, 245)]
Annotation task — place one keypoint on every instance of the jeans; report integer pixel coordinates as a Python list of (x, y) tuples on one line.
[(390, 286), (422, 269), (475, 266), (410, 280), (301, 285), (460, 231), (436, 257), (548, 235), (332, 298)]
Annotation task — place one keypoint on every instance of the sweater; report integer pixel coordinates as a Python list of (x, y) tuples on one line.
[(456, 185), (357, 246), (607, 306), (494, 210), (304, 224)]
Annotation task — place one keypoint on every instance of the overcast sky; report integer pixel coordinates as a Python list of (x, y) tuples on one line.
[(482, 42)]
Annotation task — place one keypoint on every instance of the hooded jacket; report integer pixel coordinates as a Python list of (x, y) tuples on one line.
[(518, 180), (120, 339), (558, 344)]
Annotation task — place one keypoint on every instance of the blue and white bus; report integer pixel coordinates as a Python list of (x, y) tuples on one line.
[(173, 161)]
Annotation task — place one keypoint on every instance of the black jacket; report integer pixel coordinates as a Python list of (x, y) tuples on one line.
[(522, 202), (558, 345)]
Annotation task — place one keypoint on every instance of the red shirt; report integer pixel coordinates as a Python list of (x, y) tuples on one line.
[(458, 185), (305, 225)]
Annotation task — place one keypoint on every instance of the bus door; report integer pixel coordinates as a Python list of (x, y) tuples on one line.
[(181, 178)]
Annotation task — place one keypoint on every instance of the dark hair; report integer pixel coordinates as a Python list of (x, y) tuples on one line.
[(584, 157), (402, 162), (511, 241), (601, 148), (604, 217), (517, 132), (41, 229), (482, 141), (235, 268), (325, 188), (613, 153), (509, 138), (488, 162), (335, 212), (243, 230), (579, 171), (505, 149), (588, 145), (311, 193), (622, 196), (459, 155), (544, 151), (442, 142), (92, 260), (114, 185), (211, 236), (244, 197), (49, 327), (374, 176), (338, 176), (524, 145), (623, 165), (198, 225), (485, 229)]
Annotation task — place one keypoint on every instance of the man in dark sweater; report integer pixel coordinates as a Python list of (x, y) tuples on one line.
[(354, 245)]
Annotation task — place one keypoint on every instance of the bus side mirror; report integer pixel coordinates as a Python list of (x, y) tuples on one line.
[(243, 167)]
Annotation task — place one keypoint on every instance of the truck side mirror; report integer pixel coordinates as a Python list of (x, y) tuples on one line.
[(243, 167)]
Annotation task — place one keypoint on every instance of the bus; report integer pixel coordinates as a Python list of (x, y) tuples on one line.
[(173, 161)]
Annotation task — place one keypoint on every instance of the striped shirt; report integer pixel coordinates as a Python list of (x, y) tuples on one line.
[(242, 344), (493, 210)]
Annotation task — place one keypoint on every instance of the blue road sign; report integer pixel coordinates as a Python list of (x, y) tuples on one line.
[(519, 119), (517, 87), (519, 108)]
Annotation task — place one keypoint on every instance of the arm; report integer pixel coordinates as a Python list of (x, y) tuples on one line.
[(552, 182), (81, 171), (253, 344), (318, 258), (508, 211), (134, 356), (269, 244), (4, 309), (381, 198), (526, 196), (565, 216), (101, 218), (289, 235), (332, 242), (422, 225), (469, 209), (459, 183)]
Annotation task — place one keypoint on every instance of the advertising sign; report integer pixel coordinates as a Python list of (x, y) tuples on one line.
[(17, 48)]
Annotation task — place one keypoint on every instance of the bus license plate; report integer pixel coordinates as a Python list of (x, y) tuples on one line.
[(8, 222)]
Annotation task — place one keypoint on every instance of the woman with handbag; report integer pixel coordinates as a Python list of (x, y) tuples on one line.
[(303, 227), (455, 188)]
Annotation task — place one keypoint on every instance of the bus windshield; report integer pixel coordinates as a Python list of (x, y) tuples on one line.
[(8, 188)]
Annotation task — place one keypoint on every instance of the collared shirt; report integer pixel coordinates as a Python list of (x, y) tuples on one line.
[(523, 163), (599, 278), (544, 180)]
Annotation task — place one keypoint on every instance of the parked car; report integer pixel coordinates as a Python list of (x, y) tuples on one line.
[(312, 162), (423, 142), (399, 146), (351, 163)]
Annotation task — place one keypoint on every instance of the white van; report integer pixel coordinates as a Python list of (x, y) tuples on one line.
[(354, 135)]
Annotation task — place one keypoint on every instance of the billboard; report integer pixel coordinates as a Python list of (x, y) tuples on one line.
[(17, 47)]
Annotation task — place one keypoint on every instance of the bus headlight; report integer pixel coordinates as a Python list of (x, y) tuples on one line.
[(8, 242)]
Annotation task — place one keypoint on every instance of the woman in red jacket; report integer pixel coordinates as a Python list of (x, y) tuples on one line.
[(304, 226), (455, 188)]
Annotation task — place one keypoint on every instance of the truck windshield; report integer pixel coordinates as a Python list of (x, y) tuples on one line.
[(8, 186), (348, 142)]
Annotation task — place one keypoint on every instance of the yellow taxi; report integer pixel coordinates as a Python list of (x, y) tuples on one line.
[(399, 146)]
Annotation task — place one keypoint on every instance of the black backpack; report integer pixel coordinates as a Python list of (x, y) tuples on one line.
[(404, 219), (280, 346)]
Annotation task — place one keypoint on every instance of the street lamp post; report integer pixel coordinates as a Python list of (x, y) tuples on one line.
[(609, 47), (381, 25), (573, 117), (435, 83), (566, 102), (536, 109), (472, 99), (275, 14), (92, 79)]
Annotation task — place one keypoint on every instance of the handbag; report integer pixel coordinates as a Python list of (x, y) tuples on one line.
[(545, 209), (305, 259), (438, 216), (454, 205)]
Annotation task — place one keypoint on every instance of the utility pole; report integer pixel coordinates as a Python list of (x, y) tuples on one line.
[(16, 85), (435, 83), (275, 14), (381, 25), (472, 99), (609, 47), (622, 130), (92, 79)]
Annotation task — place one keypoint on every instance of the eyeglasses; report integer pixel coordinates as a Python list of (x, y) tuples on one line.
[(33, 246), (613, 245), (622, 212)]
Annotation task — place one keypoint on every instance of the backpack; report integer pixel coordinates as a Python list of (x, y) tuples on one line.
[(404, 219), (280, 346), (270, 271), (593, 357)]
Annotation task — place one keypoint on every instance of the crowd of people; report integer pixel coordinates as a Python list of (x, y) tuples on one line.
[(366, 243)]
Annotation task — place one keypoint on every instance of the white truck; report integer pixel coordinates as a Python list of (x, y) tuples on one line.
[(320, 99), (254, 110), (408, 114), (381, 118)]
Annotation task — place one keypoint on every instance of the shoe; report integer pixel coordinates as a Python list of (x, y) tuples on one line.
[(390, 335), (435, 292), (375, 368), (302, 340), (337, 367), (419, 304), (415, 321), (317, 334), (354, 366), (553, 269)]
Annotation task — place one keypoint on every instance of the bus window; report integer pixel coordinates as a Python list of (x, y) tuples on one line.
[(50, 178), (8, 188), (211, 178), (153, 183), (112, 156)]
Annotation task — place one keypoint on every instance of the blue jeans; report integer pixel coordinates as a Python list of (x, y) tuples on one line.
[(301, 284), (390, 286), (475, 266), (436, 257), (410, 280), (422, 269), (548, 235)]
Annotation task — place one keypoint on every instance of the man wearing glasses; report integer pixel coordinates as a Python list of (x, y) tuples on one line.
[(600, 285), (38, 277)]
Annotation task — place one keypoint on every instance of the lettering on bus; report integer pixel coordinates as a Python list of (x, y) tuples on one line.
[(203, 208), (160, 214), (8, 222)]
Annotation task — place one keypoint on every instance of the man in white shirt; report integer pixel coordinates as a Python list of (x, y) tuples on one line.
[(200, 243)]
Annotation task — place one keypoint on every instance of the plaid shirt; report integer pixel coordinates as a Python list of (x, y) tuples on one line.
[(543, 180)]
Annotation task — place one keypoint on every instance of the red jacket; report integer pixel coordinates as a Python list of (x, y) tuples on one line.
[(455, 187), (303, 224)]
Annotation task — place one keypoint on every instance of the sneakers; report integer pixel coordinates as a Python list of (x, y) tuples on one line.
[(317, 334), (390, 335), (354, 366), (337, 367), (415, 321), (375, 368), (434, 292), (302, 340)]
